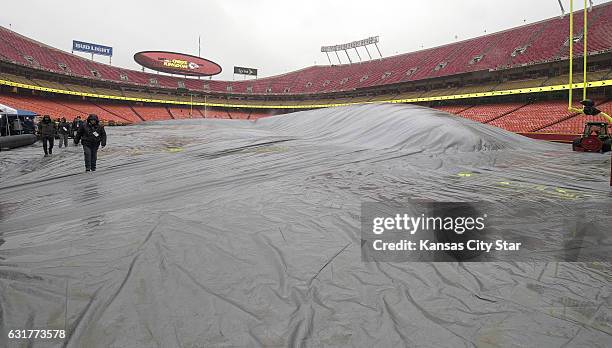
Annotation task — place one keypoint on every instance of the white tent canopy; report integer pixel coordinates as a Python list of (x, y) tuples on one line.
[(7, 110)]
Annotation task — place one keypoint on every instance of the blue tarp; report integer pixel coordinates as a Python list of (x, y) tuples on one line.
[(25, 113)]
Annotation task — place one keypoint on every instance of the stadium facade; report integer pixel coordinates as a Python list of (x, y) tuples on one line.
[(514, 79)]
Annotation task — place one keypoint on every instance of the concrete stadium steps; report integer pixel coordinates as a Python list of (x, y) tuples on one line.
[(134, 94), (479, 88), (108, 91), (48, 84), (17, 78), (537, 82), (80, 88), (577, 78)]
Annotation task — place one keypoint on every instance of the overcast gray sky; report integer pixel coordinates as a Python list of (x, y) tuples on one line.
[(274, 36)]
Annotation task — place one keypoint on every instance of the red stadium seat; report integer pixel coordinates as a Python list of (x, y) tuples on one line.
[(575, 125), (533, 117), (488, 112), (152, 113)]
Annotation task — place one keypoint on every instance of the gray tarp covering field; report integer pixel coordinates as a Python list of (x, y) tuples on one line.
[(210, 233)]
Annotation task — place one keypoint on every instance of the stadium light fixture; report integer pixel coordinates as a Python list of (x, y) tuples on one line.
[(369, 55), (373, 40), (562, 9), (357, 53), (349, 57)]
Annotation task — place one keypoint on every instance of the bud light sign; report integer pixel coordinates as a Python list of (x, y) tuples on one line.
[(81, 46)]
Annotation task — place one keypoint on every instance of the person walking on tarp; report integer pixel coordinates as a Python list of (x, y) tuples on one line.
[(63, 128), (76, 124), (92, 135), (17, 126), (28, 126), (46, 130)]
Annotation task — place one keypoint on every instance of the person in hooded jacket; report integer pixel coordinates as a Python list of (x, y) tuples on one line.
[(28, 126), (76, 124), (46, 130), (91, 134), (63, 128)]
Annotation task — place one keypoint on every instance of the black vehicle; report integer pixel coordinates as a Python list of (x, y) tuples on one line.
[(595, 138)]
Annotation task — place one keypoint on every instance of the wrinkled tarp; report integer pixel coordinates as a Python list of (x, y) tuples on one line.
[(239, 233)]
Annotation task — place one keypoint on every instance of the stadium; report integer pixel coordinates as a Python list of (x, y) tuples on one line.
[(235, 213), (489, 79)]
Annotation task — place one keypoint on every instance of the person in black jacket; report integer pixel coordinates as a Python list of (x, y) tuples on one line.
[(76, 124), (28, 125), (63, 128), (91, 134), (46, 130)]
